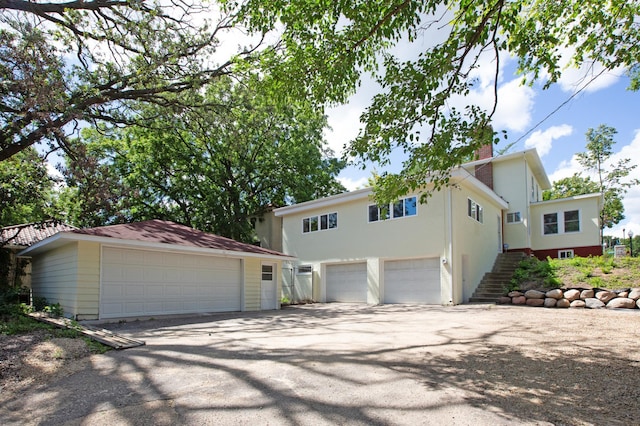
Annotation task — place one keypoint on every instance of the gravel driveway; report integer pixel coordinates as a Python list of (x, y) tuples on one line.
[(354, 364)]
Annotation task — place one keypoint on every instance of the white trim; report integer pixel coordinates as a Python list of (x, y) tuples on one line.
[(561, 222), (568, 251), (324, 202)]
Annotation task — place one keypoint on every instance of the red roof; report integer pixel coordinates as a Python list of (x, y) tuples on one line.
[(165, 232), (30, 233)]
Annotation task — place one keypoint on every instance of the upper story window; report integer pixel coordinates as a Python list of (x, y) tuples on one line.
[(401, 208), (570, 222), (475, 210), (320, 223), (514, 217)]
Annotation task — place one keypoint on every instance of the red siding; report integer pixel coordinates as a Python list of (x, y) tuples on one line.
[(577, 251)]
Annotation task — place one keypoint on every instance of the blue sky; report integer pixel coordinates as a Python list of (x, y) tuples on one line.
[(558, 138)]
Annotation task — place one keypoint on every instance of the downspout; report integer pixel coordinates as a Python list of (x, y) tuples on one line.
[(450, 237)]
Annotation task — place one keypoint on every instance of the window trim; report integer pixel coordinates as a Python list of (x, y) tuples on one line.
[(390, 210), (564, 221), (514, 221), (561, 223), (476, 209), (570, 253), (302, 269), (309, 221)]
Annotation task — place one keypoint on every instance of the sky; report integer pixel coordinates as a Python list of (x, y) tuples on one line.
[(554, 121)]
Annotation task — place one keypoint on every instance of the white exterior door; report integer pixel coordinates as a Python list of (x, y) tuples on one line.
[(347, 283), (268, 286), (146, 282), (412, 281)]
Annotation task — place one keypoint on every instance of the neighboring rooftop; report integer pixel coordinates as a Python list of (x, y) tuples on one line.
[(28, 234)]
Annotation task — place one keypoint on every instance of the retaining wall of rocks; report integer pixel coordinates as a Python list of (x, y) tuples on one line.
[(575, 298)]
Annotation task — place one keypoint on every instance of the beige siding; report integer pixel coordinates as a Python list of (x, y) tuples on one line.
[(88, 291), (253, 281), (269, 231), (55, 277), (512, 182)]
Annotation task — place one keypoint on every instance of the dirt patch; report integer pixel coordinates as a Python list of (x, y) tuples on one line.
[(37, 358)]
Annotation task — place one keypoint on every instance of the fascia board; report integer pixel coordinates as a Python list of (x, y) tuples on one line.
[(324, 202)]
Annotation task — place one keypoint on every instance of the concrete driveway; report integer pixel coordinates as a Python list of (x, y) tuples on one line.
[(354, 364)]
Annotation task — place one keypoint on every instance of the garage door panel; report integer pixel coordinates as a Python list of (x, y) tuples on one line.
[(162, 284), (347, 283), (412, 281)]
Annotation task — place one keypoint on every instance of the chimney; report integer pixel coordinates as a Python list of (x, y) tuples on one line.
[(484, 172)]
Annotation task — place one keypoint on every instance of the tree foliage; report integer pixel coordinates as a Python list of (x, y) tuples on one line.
[(332, 43), (64, 63), (211, 169)]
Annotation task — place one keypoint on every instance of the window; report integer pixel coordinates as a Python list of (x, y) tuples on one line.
[(401, 208), (320, 223), (565, 254), (572, 221), (267, 272), (304, 270), (475, 211), (550, 223), (514, 217)]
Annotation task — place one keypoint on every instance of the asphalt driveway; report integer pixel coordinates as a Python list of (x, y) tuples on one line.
[(354, 364)]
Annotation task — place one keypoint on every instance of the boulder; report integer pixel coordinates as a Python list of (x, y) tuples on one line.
[(622, 302), (572, 295), (638, 303), (519, 300), (623, 294), (535, 302), (504, 300), (586, 294), (593, 303), (556, 293), (515, 294), (534, 294), (549, 302), (578, 304), (563, 303), (634, 294), (604, 296)]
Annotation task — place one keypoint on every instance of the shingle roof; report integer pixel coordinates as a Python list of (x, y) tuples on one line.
[(165, 232), (30, 233)]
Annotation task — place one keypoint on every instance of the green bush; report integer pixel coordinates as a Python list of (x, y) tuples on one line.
[(39, 303), (54, 310), (534, 270)]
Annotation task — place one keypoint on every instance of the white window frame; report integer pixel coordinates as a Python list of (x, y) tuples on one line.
[(304, 270), (475, 211), (564, 221), (390, 212), (560, 222), (565, 254), (317, 219), (512, 214)]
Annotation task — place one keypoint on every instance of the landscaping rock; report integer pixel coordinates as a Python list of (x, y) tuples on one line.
[(593, 303), (535, 302), (572, 295), (622, 302), (515, 294), (534, 294), (638, 303), (605, 296), (623, 294), (586, 294), (519, 300), (556, 293), (563, 303), (634, 294), (550, 302), (578, 304), (504, 300)]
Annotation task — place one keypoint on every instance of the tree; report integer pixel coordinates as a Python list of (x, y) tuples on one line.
[(331, 45), (64, 63), (25, 189), (216, 169), (610, 182)]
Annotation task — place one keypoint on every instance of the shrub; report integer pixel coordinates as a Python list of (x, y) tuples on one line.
[(532, 269)]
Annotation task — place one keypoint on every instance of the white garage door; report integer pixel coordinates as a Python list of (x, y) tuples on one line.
[(412, 281), (144, 282), (347, 283)]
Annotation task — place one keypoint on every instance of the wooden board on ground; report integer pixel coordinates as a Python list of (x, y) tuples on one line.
[(100, 335)]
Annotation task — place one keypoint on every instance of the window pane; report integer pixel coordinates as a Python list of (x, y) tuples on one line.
[(551, 223), (314, 223), (323, 222), (480, 214), (373, 214), (410, 206), (333, 220), (398, 209), (470, 208), (305, 225), (572, 221), (384, 212), (267, 272)]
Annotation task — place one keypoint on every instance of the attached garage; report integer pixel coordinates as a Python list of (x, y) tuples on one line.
[(153, 268), (412, 281), (146, 282), (347, 283)]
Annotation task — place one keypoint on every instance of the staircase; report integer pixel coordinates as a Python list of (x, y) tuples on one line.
[(493, 283)]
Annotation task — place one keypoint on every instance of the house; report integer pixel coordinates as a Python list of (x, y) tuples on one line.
[(153, 268), (351, 250), (16, 238)]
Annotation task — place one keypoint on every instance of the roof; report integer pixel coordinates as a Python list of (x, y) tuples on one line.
[(28, 234), (157, 234)]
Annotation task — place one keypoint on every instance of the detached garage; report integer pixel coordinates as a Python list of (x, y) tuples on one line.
[(153, 268)]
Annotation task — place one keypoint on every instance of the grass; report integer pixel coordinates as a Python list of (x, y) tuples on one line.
[(598, 272)]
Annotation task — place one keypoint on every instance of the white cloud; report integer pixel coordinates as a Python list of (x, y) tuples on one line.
[(543, 140), (352, 184)]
